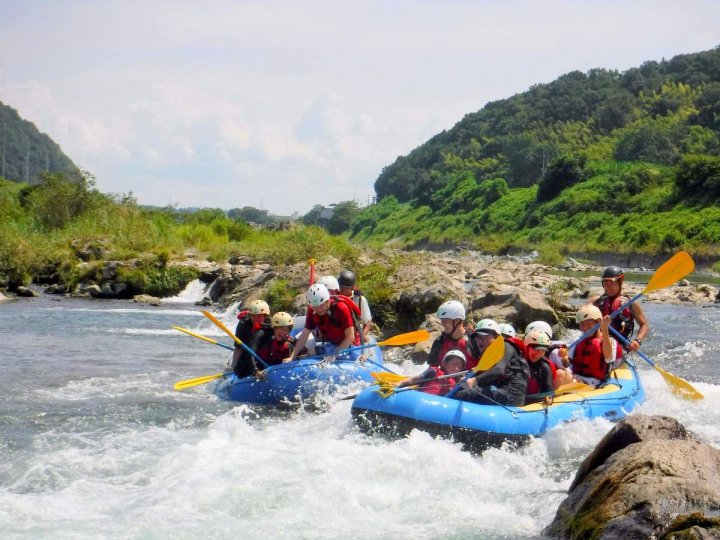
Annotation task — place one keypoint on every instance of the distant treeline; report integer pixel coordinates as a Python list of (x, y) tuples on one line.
[(597, 161)]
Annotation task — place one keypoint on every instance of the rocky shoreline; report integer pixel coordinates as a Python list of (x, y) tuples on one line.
[(513, 289)]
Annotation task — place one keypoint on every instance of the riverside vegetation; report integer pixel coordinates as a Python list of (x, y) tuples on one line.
[(592, 163)]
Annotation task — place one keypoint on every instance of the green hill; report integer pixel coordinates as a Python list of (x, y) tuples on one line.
[(26, 153), (597, 161)]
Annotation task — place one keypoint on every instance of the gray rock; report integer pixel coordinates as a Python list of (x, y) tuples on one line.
[(25, 292), (645, 477), (146, 299)]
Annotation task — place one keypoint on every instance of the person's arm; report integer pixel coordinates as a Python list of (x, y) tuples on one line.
[(486, 378), (607, 347), (299, 344), (643, 326), (427, 374), (348, 339)]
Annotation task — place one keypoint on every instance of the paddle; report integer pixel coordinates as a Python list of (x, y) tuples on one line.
[(491, 356), (188, 383), (674, 269), (225, 329), (395, 341), (679, 386), (199, 336), (569, 388)]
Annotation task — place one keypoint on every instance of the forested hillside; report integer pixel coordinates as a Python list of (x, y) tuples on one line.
[(595, 161), (25, 152)]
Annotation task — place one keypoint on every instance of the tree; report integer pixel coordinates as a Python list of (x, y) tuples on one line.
[(250, 214), (562, 173), (342, 217)]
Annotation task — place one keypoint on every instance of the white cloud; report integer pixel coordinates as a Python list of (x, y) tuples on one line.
[(227, 103)]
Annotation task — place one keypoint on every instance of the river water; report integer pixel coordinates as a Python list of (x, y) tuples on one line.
[(94, 442)]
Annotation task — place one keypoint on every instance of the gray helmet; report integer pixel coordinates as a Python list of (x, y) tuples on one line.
[(346, 278), (613, 272)]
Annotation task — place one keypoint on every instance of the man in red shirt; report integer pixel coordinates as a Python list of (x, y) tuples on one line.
[(330, 319)]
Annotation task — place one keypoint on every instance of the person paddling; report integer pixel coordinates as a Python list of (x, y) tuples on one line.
[(612, 282), (250, 321), (330, 318), (506, 382)]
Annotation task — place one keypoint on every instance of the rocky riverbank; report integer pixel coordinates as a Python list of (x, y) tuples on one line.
[(507, 288)]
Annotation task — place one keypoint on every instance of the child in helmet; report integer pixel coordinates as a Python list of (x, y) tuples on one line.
[(452, 319), (429, 381), (594, 355), (276, 346), (542, 371), (250, 321)]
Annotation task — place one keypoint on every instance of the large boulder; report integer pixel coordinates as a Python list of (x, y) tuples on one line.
[(647, 478)]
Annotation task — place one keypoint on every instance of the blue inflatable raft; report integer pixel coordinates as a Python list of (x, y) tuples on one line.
[(479, 426), (303, 380)]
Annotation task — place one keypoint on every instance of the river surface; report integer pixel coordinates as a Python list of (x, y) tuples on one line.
[(95, 443)]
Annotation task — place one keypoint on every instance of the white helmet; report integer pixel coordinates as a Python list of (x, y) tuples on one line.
[(487, 326), (537, 339), (281, 318), (454, 352), (542, 326), (259, 307), (507, 330), (330, 282), (588, 312), (317, 294), (452, 309)]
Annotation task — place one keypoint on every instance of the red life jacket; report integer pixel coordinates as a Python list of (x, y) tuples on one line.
[(437, 387), (588, 359), (331, 326), (624, 322), (274, 351), (444, 344), (533, 386), (519, 345)]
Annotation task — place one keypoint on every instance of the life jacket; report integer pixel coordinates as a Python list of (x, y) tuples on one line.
[(533, 386), (588, 359), (437, 387), (518, 344), (330, 326), (274, 351), (355, 311), (246, 327), (624, 322), (443, 344)]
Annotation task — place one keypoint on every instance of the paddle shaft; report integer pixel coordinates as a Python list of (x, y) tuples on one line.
[(199, 336), (225, 329)]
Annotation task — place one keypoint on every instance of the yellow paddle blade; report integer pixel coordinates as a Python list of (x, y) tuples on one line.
[(386, 376), (406, 339), (679, 386), (492, 355), (676, 268), (188, 383), (195, 334), (221, 326)]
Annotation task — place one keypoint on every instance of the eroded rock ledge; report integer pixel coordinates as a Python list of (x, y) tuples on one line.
[(647, 478)]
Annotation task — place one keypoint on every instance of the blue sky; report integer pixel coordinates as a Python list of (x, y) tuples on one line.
[(282, 105)]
